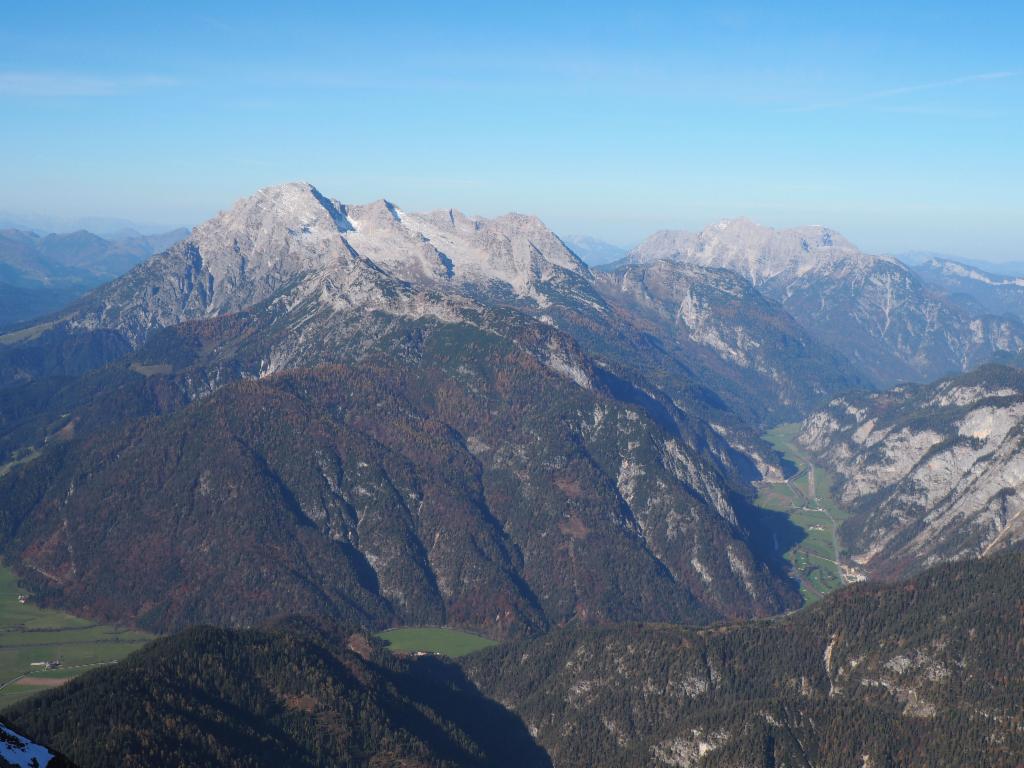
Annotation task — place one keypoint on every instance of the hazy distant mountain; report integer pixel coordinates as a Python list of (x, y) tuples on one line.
[(1006, 268), (593, 251), (974, 289), (77, 257), (368, 413), (930, 472), (107, 226), (40, 274), (874, 309)]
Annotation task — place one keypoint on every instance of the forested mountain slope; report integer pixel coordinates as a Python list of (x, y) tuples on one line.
[(440, 472), (295, 693), (927, 672), (924, 672), (392, 417)]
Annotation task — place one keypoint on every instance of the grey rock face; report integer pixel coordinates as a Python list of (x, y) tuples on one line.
[(975, 289), (362, 254), (761, 254), (872, 308), (931, 473), (721, 322)]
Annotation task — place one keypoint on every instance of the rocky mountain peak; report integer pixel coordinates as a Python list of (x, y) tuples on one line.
[(380, 214), (272, 235), (294, 223), (297, 203), (292, 232), (756, 251)]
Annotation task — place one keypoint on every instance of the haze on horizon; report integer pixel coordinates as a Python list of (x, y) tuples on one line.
[(900, 127)]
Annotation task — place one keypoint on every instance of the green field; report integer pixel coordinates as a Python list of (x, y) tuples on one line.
[(448, 642), (812, 552), (31, 634)]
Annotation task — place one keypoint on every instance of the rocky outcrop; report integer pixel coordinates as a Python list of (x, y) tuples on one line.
[(873, 309), (367, 257), (975, 289), (931, 473), (714, 319)]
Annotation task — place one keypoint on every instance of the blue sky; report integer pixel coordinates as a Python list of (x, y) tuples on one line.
[(902, 126)]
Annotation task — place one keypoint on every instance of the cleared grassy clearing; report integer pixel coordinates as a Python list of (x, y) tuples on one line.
[(26, 334), (30, 634), (448, 642), (806, 500), (26, 457)]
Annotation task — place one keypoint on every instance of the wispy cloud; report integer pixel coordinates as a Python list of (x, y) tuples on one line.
[(70, 84), (888, 93)]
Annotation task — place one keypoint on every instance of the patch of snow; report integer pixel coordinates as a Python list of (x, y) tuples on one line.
[(22, 752)]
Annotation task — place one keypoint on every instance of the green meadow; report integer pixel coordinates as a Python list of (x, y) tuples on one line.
[(812, 554), (31, 634), (448, 642)]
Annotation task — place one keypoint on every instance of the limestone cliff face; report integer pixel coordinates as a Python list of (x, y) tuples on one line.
[(873, 309), (367, 257), (931, 473), (731, 333)]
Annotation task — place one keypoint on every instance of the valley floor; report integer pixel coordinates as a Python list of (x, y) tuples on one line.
[(813, 547), (440, 640), (31, 635)]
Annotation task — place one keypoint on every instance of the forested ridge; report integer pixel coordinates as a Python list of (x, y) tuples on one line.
[(926, 672), (292, 694)]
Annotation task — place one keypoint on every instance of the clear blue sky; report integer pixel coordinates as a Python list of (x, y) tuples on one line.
[(901, 124)]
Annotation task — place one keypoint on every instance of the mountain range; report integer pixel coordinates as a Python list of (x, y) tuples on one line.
[(875, 309), (386, 416), (363, 417), (40, 274), (440, 417)]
